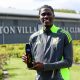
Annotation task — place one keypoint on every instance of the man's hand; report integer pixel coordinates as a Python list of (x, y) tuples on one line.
[(37, 66), (24, 58)]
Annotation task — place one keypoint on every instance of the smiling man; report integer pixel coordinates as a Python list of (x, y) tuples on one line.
[(51, 48)]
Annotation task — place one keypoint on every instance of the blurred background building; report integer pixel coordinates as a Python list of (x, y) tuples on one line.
[(17, 25)]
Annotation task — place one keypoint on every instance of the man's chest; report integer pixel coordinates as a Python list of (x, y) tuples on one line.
[(46, 47)]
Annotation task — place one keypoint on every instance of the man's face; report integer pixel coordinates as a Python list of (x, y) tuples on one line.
[(46, 17)]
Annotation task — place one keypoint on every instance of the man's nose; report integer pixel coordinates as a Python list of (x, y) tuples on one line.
[(46, 15)]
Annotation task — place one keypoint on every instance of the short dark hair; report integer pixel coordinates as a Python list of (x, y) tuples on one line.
[(46, 6)]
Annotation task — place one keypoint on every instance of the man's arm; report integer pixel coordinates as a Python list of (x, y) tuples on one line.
[(65, 62)]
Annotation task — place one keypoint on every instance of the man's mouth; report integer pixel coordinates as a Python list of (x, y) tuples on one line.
[(46, 20)]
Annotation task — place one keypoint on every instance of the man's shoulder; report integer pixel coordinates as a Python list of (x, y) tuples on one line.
[(61, 32), (66, 33)]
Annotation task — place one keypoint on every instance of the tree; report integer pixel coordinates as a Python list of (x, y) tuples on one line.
[(65, 10)]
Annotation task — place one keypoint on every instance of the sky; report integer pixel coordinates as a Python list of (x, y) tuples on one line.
[(35, 4)]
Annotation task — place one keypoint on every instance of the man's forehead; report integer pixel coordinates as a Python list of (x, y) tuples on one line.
[(46, 10)]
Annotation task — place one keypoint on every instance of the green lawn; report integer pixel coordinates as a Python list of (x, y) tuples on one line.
[(18, 70), (75, 72)]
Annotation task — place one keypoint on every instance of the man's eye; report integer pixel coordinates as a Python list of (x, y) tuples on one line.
[(43, 14), (48, 14)]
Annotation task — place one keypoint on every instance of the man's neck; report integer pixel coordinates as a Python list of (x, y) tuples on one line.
[(47, 29)]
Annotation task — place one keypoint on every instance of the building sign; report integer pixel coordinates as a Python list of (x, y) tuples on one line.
[(17, 30), (72, 29), (20, 31), (25, 29)]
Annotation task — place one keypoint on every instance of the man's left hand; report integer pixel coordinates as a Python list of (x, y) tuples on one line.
[(38, 66)]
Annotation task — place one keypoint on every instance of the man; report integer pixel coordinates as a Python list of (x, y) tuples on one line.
[(51, 48)]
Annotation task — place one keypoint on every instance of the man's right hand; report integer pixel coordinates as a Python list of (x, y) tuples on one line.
[(24, 58)]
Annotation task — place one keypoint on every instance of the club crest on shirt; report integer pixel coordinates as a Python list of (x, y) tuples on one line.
[(55, 41)]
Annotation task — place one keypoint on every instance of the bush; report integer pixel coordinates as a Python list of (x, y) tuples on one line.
[(3, 59), (76, 51), (1, 74), (76, 60)]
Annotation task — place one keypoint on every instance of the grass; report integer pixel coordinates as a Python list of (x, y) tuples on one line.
[(75, 72), (19, 71)]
